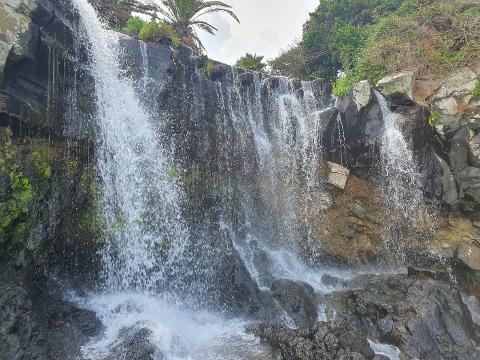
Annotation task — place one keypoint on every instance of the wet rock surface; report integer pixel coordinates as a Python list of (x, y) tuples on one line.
[(424, 318), (36, 323), (320, 341), (297, 299)]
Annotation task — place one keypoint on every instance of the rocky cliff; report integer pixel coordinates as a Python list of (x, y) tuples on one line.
[(51, 226)]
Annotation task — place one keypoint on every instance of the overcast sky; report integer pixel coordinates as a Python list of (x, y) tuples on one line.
[(266, 27)]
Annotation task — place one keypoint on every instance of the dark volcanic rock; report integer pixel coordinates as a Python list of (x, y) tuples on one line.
[(297, 299), (134, 344), (425, 319), (321, 341), (35, 323)]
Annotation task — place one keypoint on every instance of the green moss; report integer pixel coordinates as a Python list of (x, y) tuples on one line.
[(434, 119), (208, 69), (90, 221), (343, 85), (476, 90), (21, 189), (40, 159)]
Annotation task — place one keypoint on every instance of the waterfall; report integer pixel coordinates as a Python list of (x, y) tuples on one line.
[(140, 202), (402, 183), (277, 124)]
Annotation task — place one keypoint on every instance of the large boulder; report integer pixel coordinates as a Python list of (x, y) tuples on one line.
[(474, 151), (321, 341), (297, 299), (362, 94), (469, 255), (424, 318), (338, 175), (469, 179), (458, 84), (459, 149), (398, 88)]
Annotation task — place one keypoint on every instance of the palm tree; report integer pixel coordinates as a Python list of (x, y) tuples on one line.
[(185, 16), (251, 62)]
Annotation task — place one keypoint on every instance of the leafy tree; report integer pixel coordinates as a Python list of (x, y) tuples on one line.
[(186, 17), (251, 62), (337, 31)]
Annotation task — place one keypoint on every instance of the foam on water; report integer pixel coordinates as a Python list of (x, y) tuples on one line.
[(176, 332)]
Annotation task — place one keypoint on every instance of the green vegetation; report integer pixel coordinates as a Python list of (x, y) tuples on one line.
[(20, 195), (476, 90), (209, 68), (135, 25), (368, 39), (342, 86), (184, 16), (251, 62), (152, 30), (434, 119), (90, 221)]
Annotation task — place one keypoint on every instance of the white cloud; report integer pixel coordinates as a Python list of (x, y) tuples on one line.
[(267, 26)]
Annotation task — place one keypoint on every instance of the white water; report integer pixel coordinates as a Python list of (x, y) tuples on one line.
[(278, 126), (402, 185), (146, 236), (140, 201), (390, 351), (176, 332)]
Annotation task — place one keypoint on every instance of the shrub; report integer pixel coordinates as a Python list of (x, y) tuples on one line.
[(135, 25), (342, 86), (152, 31)]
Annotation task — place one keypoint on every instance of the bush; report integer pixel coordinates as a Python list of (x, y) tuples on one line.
[(368, 39), (135, 25), (342, 86), (152, 31)]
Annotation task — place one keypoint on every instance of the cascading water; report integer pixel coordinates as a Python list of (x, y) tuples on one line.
[(278, 125), (146, 237), (402, 183), (140, 202), (270, 136)]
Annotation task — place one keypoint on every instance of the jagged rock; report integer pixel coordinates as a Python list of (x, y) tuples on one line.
[(321, 341), (469, 179), (338, 175), (469, 255), (15, 26), (134, 344), (398, 88), (362, 94), (474, 151), (459, 84), (459, 147), (449, 185), (297, 299), (425, 319), (4, 52)]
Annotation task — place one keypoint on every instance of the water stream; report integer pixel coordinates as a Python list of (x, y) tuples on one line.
[(276, 127)]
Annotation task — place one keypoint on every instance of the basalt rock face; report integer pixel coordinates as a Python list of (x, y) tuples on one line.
[(49, 198)]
